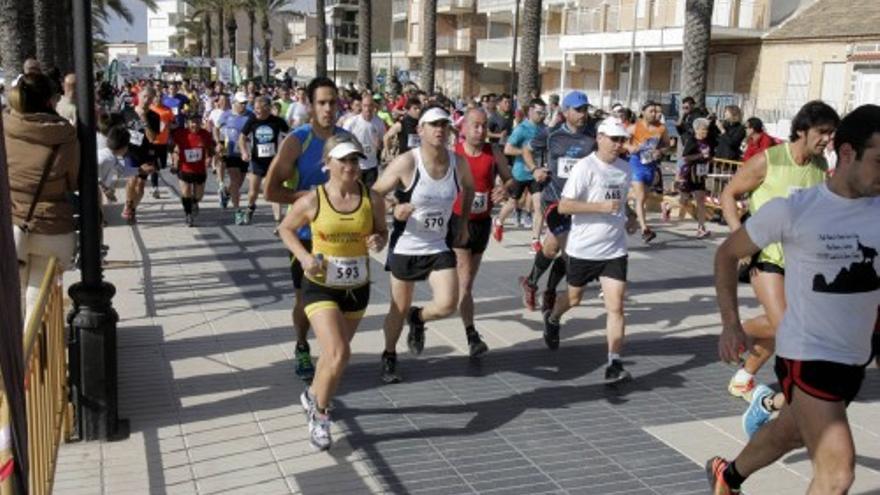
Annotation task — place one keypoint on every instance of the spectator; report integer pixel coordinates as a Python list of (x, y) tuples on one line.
[(731, 134), (40, 143), (696, 156), (757, 139), (66, 106)]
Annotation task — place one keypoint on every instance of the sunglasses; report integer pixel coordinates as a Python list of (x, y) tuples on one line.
[(439, 123), (618, 139)]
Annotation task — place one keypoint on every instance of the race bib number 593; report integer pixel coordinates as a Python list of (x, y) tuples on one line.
[(346, 272)]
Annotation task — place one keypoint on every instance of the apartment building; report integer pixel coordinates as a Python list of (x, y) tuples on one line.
[(162, 26)]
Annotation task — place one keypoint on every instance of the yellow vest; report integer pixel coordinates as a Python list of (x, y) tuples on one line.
[(341, 239)]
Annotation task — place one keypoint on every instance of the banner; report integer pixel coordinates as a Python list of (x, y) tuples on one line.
[(224, 70)]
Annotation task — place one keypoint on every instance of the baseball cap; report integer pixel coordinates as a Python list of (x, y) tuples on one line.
[(575, 99), (613, 127), (344, 149), (240, 97), (434, 115)]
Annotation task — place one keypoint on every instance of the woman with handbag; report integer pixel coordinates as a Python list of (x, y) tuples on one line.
[(42, 154)]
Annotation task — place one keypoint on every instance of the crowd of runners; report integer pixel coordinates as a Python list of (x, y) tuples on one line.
[(435, 181)]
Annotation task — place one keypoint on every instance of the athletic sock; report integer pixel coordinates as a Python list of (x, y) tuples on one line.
[(557, 273), (187, 205), (541, 264), (612, 356), (252, 207), (470, 330), (732, 477), (742, 375), (417, 315)]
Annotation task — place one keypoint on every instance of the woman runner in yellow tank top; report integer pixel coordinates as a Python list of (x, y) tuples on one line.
[(778, 172), (347, 220)]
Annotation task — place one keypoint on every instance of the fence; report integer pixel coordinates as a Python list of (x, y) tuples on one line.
[(49, 412)]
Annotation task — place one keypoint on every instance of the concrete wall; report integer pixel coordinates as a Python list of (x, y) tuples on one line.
[(773, 64)]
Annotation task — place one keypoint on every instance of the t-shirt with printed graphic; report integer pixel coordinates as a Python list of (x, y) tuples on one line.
[(598, 236), (369, 134), (265, 137), (832, 288), (559, 149), (140, 150), (192, 149)]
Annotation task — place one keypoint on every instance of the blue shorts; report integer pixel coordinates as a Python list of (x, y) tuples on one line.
[(258, 169), (643, 173)]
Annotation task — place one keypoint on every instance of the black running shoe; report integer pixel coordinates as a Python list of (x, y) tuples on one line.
[(614, 372), (551, 332), (416, 338), (648, 235), (476, 345), (389, 368), (189, 220)]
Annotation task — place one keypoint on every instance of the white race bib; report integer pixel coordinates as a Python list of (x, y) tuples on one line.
[(702, 169), (431, 221), (265, 150), (481, 202), (347, 272), (193, 155), (368, 150), (413, 141), (136, 138), (564, 166)]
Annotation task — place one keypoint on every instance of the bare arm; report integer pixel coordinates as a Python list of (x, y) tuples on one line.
[(512, 150), (279, 171), (466, 180), (243, 147), (733, 339), (503, 167), (390, 133), (568, 206), (377, 240), (749, 176), (397, 172), (302, 211)]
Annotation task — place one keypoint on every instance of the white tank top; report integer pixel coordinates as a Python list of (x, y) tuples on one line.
[(432, 200)]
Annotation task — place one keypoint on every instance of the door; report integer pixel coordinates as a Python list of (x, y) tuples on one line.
[(833, 82), (868, 87)]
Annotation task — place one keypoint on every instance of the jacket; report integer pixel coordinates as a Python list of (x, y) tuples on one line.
[(31, 141)]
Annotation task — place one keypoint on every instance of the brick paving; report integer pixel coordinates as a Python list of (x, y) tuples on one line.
[(206, 379)]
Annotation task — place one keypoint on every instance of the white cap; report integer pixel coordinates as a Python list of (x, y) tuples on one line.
[(613, 127), (240, 97), (435, 114), (344, 149)]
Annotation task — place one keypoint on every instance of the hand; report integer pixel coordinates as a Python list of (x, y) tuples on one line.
[(732, 343), (499, 194), (245, 156), (611, 206), (218, 149), (463, 236), (403, 211), (312, 266), (541, 174), (376, 242), (148, 169)]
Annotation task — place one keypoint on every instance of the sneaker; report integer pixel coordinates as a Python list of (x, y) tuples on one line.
[(224, 198), (389, 368), (548, 300), (319, 430), (476, 346), (189, 220), (308, 402), (526, 222), (715, 472), (155, 193), (757, 415), (648, 235), (665, 211), (739, 388), (248, 217), (275, 231), (497, 230), (305, 370), (239, 217), (614, 372), (415, 340), (702, 233), (529, 294), (535, 246), (127, 212), (551, 332)]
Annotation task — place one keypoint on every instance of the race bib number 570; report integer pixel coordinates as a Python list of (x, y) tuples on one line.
[(431, 221)]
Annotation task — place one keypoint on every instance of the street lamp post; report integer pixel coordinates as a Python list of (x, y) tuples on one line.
[(92, 343), (337, 24), (513, 57)]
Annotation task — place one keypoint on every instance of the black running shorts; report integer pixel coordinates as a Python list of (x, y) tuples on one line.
[(417, 268), (580, 272), (296, 269), (519, 187), (824, 380), (189, 178), (479, 232), (557, 223), (351, 302), (235, 162)]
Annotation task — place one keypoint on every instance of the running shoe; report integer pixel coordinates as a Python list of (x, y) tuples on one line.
[(305, 370), (319, 430), (715, 472), (535, 245), (156, 193), (614, 372), (648, 235), (551, 332), (741, 388), (526, 221), (248, 217), (497, 230), (476, 346), (239, 217), (308, 402), (415, 340), (275, 231), (189, 220), (702, 233), (665, 211), (389, 368), (529, 294), (224, 198), (548, 300), (757, 415)]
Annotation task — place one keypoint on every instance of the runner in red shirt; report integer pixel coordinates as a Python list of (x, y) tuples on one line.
[(485, 162), (192, 147)]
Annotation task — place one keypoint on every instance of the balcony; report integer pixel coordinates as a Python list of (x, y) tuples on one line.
[(497, 51), (455, 6), (399, 9), (342, 62), (492, 6), (453, 45)]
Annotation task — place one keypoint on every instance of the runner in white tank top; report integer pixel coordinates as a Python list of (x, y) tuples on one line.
[(420, 246)]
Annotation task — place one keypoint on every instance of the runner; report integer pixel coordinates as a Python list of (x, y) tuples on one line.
[(348, 219), (162, 140), (298, 112), (226, 137), (432, 177), (219, 113), (485, 164), (193, 147), (555, 151), (650, 142), (140, 161), (369, 130), (595, 197), (406, 128), (297, 169), (830, 234), (524, 181), (775, 174), (258, 143)]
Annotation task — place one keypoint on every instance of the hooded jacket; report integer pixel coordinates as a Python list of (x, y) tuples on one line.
[(33, 139)]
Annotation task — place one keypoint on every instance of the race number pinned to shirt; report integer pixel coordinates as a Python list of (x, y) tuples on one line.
[(431, 222), (265, 150), (347, 271), (136, 138), (193, 155), (481, 202), (565, 166)]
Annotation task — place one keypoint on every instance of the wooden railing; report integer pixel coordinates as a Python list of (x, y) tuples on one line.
[(49, 412)]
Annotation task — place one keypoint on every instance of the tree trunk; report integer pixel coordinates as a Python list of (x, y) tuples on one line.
[(321, 44), (64, 37), (529, 73), (221, 47), (429, 46), (695, 57), (231, 27), (12, 34), (26, 21), (209, 38), (44, 30), (250, 56), (365, 46), (267, 46)]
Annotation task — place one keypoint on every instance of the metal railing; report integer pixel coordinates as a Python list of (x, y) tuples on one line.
[(49, 412)]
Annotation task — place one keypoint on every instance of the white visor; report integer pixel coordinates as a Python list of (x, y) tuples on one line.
[(434, 115), (345, 149), (613, 127)]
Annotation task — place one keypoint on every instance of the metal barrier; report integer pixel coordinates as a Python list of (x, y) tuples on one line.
[(719, 175), (49, 412)]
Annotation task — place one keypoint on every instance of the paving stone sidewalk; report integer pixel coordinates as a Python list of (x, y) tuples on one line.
[(207, 381)]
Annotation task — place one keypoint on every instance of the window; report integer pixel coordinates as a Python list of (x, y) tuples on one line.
[(414, 33), (722, 71), (797, 83), (834, 84), (675, 75), (642, 8), (158, 46), (746, 14), (158, 22), (721, 13), (679, 12)]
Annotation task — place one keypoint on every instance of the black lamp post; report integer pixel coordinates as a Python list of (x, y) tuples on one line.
[(337, 24)]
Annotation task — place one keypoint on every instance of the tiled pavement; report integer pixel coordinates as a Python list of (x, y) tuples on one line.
[(206, 379)]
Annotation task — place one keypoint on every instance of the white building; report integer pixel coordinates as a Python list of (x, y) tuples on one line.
[(114, 50), (162, 26)]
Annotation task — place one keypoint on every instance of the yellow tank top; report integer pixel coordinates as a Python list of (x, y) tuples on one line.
[(341, 239), (784, 176)]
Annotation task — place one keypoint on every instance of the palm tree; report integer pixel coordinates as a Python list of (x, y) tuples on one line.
[(44, 25), (202, 9), (16, 33), (321, 44), (528, 73), (365, 46), (429, 46), (269, 9), (695, 56), (252, 19), (191, 29)]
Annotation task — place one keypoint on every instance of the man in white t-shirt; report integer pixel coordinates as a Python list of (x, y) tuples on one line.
[(215, 119), (368, 129), (595, 197), (298, 111), (831, 235)]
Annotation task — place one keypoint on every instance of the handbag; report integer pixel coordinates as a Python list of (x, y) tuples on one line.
[(22, 232)]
